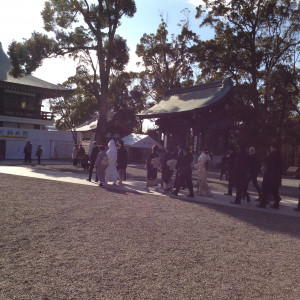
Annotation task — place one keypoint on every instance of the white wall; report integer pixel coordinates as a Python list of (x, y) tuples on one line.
[(56, 144)]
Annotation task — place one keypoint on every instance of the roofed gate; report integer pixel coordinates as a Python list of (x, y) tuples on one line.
[(197, 116)]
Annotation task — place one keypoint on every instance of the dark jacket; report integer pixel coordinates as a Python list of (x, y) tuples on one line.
[(254, 165), (179, 159), (241, 168), (273, 173), (231, 162), (94, 154), (122, 158), (187, 160)]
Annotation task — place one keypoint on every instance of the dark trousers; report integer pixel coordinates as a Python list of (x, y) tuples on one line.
[(184, 179), (275, 192), (91, 171), (230, 183), (242, 190), (253, 178), (39, 159), (28, 157), (223, 172)]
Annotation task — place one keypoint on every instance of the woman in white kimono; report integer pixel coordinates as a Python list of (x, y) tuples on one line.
[(111, 173), (204, 162)]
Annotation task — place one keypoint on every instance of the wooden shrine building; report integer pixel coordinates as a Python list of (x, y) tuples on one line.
[(21, 98), (22, 117), (198, 116)]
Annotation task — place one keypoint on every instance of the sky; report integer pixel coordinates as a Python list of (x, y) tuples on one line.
[(20, 18)]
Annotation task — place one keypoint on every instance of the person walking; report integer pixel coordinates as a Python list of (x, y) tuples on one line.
[(152, 164), (204, 163), (272, 178), (111, 171), (93, 157), (167, 170), (241, 173), (185, 173), (80, 155), (231, 162), (122, 160), (179, 157), (101, 165), (39, 152), (254, 168), (75, 155), (224, 167), (27, 152)]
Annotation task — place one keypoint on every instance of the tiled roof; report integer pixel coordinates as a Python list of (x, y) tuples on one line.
[(27, 83), (190, 99)]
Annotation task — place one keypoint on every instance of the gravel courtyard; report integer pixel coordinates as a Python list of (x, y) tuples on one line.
[(68, 241)]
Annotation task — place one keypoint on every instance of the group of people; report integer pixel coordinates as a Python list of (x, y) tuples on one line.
[(28, 152), (180, 162), (110, 164), (79, 157), (241, 166), (244, 167)]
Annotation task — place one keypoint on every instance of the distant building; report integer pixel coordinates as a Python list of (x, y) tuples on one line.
[(21, 113), (198, 116), (139, 146)]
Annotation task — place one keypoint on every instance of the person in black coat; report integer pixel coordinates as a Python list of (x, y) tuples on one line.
[(241, 174), (93, 157), (122, 160), (231, 163), (272, 178), (151, 168), (185, 173), (179, 158), (224, 167), (255, 167)]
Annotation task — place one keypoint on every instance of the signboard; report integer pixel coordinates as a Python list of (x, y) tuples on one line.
[(11, 133)]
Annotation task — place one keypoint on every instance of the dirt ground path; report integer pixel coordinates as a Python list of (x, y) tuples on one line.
[(66, 241)]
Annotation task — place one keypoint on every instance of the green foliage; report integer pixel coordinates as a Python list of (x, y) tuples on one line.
[(86, 31), (167, 62), (257, 44)]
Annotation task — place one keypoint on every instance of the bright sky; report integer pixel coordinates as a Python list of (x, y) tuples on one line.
[(19, 18)]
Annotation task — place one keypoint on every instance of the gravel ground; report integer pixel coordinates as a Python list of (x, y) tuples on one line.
[(67, 241)]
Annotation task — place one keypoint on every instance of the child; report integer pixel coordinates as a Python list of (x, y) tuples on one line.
[(39, 152)]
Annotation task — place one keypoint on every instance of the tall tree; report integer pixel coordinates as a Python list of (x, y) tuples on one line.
[(166, 60), (253, 41), (82, 29)]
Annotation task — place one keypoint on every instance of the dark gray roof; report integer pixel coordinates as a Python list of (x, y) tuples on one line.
[(190, 99), (27, 83)]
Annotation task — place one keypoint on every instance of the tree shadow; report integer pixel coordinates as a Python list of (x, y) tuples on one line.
[(267, 221)]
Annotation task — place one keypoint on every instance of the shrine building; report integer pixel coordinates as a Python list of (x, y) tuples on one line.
[(196, 116)]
